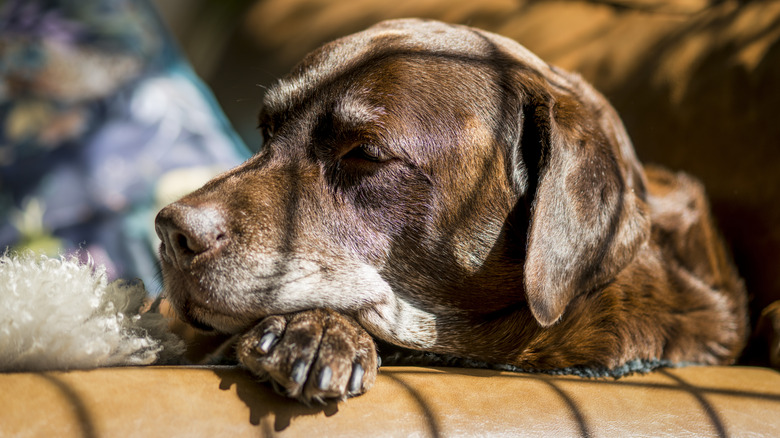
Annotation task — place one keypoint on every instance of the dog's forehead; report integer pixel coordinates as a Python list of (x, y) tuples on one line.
[(391, 37)]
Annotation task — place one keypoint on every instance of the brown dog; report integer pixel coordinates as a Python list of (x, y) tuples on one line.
[(442, 189)]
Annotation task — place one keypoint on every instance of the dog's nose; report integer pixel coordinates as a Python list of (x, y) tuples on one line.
[(187, 231)]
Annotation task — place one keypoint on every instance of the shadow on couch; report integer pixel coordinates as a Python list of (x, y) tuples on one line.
[(406, 401), (706, 399)]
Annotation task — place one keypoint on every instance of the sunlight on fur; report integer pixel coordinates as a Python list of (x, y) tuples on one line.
[(60, 313)]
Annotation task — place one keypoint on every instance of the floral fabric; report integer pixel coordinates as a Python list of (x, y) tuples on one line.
[(101, 124)]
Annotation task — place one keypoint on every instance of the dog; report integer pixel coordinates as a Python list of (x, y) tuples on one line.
[(440, 188)]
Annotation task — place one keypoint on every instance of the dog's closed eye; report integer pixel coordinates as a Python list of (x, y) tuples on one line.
[(367, 152)]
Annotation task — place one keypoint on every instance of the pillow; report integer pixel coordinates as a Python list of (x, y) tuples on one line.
[(103, 122)]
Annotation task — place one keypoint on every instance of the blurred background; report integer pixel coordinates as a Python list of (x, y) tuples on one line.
[(697, 83)]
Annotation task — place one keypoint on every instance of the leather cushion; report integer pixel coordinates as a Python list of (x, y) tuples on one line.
[(183, 401)]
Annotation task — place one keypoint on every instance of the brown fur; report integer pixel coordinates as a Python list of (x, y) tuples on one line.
[(442, 189)]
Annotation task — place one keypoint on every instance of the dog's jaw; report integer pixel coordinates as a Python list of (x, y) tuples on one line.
[(218, 302)]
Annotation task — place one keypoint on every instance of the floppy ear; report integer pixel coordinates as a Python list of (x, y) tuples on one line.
[(586, 221)]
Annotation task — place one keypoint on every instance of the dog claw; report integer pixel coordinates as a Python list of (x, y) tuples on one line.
[(311, 356), (298, 373), (264, 345), (326, 374), (356, 379)]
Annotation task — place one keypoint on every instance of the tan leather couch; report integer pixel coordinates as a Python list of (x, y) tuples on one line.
[(695, 81), (199, 402)]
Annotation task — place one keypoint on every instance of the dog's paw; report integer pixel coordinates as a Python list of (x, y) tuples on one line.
[(312, 355)]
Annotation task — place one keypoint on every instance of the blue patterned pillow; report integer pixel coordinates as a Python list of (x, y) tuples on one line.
[(101, 124)]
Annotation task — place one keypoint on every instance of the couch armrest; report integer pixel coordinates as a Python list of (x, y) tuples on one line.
[(216, 401)]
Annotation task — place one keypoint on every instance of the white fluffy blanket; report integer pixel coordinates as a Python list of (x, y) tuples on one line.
[(58, 313)]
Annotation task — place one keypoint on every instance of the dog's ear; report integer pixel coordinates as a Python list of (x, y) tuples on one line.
[(587, 216)]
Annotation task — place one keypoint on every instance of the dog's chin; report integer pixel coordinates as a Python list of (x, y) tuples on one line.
[(204, 316), (209, 320), (202, 326)]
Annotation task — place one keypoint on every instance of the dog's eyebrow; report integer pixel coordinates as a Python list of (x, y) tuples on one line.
[(352, 110)]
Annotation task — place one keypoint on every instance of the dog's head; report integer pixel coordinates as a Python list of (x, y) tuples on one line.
[(415, 168)]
